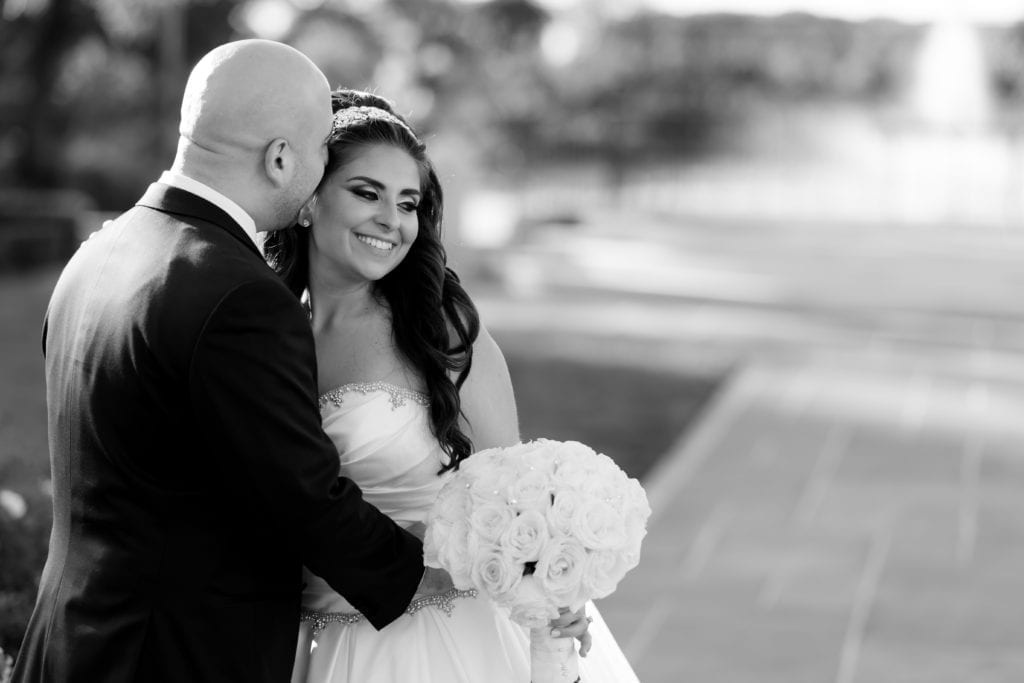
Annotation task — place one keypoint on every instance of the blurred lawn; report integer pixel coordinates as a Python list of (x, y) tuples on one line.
[(632, 415), (23, 451), (24, 463)]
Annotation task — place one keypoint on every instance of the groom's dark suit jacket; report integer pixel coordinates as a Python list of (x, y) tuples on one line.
[(191, 478)]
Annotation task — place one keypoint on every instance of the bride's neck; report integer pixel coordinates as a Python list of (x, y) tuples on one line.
[(333, 301)]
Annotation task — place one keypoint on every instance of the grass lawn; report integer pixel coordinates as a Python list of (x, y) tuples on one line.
[(23, 450), (631, 415), (24, 463)]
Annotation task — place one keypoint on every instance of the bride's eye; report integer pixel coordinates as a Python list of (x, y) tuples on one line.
[(409, 207), (365, 194)]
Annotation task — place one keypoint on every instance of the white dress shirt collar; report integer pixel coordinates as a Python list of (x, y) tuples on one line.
[(183, 182)]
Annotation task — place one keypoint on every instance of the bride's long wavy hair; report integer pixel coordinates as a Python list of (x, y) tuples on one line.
[(434, 322)]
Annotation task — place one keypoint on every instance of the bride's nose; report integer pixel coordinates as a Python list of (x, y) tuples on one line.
[(387, 216)]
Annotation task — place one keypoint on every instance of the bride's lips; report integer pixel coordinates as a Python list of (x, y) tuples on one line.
[(376, 243)]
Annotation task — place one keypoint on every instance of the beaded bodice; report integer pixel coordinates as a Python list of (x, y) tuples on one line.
[(399, 395), (385, 445)]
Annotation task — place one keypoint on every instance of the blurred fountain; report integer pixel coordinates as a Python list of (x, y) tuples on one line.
[(950, 162), (950, 91)]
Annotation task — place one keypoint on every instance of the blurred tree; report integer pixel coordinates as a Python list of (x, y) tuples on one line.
[(92, 88), (38, 34), (510, 25), (665, 86), (1005, 54), (345, 45)]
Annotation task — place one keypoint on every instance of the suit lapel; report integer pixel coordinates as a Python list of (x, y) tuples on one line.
[(169, 199)]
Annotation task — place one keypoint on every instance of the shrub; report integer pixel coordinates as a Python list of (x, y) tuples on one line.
[(23, 545)]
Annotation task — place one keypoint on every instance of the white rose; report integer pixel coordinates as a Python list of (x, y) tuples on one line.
[(495, 574), (531, 491), (533, 455), (604, 463), (630, 554), (453, 502), (475, 464), (571, 471), (525, 537), (491, 485), (454, 555), (489, 520), (602, 573), (562, 510), (575, 449), (598, 525), (436, 537), (480, 460), (530, 606), (635, 524), (560, 571), (606, 487), (636, 498), (540, 460), (531, 447)]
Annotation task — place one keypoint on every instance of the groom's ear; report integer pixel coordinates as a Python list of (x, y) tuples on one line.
[(279, 162)]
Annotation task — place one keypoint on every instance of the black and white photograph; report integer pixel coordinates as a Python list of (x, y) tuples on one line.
[(511, 341)]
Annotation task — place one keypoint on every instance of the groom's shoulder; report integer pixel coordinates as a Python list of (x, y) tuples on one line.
[(196, 263), (212, 254)]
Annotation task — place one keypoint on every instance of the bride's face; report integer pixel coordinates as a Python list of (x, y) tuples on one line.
[(364, 215)]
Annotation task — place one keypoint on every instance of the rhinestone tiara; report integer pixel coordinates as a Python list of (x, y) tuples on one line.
[(352, 116)]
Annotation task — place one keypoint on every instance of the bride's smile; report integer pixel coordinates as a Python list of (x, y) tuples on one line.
[(375, 243)]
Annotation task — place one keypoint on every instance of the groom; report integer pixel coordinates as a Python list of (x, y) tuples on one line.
[(191, 479)]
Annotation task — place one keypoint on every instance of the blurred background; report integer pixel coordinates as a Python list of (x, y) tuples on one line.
[(767, 254)]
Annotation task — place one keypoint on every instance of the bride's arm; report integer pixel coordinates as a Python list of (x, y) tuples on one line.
[(488, 402)]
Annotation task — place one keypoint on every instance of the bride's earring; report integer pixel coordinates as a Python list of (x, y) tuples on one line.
[(306, 213)]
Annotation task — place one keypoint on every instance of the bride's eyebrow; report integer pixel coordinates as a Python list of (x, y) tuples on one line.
[(380, 186)]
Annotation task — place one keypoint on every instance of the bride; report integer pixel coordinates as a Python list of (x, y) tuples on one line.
[(411, 385)]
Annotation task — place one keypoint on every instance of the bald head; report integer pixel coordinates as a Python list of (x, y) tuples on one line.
[(247, 92), (241, 101)]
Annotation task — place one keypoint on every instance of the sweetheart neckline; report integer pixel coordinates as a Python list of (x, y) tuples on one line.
[(397, 393)]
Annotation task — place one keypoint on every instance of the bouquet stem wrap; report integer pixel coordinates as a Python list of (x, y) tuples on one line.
[(552, 660)]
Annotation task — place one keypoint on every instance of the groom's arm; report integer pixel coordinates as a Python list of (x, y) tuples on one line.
[(253, 379)]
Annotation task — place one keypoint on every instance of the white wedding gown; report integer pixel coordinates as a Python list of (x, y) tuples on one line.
[(383, 435)]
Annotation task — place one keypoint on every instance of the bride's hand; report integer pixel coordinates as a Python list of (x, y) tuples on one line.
[(573, 625)]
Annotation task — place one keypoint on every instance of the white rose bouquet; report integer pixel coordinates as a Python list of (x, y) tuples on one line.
[(539, 527)]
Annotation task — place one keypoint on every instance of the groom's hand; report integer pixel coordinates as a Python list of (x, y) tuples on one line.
[(417, 529), (434, 582)]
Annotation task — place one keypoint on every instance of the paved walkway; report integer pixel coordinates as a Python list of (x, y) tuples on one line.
[(836, 521)]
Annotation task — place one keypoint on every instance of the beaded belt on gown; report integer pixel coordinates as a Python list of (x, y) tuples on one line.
[(443, 601)]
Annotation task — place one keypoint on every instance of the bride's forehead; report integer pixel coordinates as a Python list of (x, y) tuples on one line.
[(386, 163), (382, 156)]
